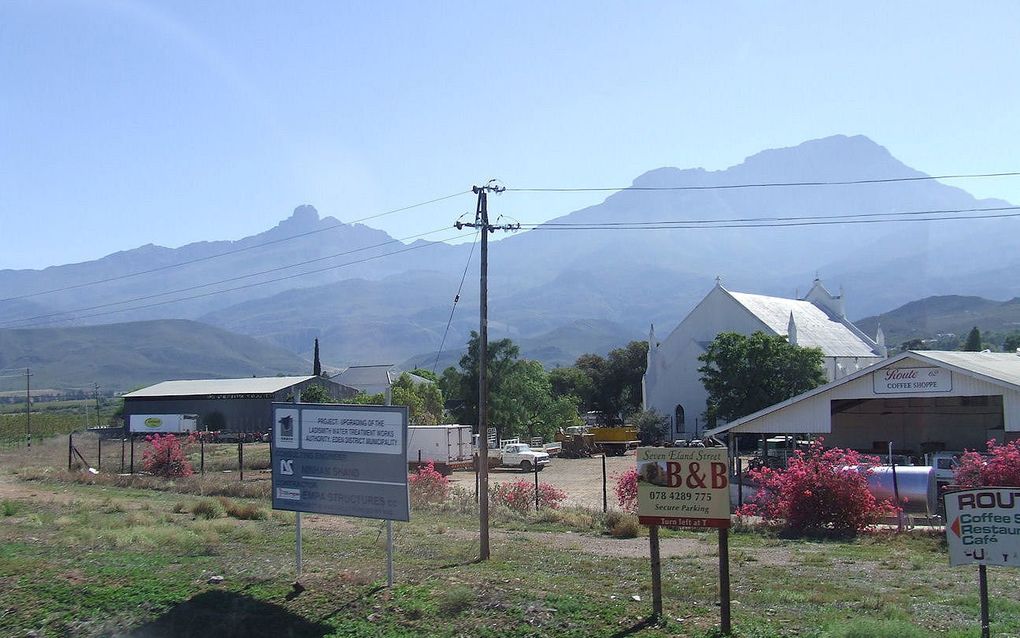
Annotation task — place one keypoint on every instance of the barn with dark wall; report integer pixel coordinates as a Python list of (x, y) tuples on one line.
[(228, 405)]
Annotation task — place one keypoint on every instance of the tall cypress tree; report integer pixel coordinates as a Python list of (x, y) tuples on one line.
[(316, 366), (973, 340)]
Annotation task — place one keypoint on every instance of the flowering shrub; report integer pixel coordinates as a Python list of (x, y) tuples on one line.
[(520, 495), (1000, 468), (626, 491), (819, 491), (165, 456), (428, 486)]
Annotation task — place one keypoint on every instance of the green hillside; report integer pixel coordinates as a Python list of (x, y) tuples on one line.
[(126, 355), (946, 315)]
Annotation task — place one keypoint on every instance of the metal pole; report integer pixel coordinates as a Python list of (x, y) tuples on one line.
[(983, 584), (653, 550), (297, 515), (240, 457), (724, 579), (99, 465), (28, 404), (297, 542), (389, 553), (201, 455), (605, 489), (122, 454), (536, 486), (740, 481), (483, 378), (132, 435), (70, 447)]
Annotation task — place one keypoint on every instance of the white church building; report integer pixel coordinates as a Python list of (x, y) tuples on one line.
[(672, 384)]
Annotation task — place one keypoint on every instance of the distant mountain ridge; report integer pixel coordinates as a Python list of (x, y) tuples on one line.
[(550, 282), (950, 314), (126, 355)]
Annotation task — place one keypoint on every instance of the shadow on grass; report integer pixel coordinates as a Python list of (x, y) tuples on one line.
[(651, 621), (225, 614)]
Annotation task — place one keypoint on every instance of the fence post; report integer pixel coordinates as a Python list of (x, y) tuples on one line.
[(201, 462), (70, 447), (99, 465), (537, 487), (605, 492), (132, 435), (240, 457), (122, 454)]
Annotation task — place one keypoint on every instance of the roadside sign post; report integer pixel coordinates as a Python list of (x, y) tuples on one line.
[(685, 487), (983, 528), (346, 460)]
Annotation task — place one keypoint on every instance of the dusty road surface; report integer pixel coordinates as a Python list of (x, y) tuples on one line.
[(581, 479)]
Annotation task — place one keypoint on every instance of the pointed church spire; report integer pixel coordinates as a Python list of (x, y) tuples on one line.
[(791, 330), (880, 340)]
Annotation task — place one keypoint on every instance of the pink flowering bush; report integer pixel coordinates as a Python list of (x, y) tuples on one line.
[(1000, 468), (820, 492), (626, 491), (520, 495), (428, 486), (165, 456)]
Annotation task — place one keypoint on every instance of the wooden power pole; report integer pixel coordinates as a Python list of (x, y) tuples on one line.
[(484, 227)]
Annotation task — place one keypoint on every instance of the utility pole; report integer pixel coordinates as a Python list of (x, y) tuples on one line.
[(28, 404), (96, 386), (484, 227)]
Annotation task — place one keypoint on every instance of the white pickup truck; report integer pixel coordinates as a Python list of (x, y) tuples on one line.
[(513, 453)]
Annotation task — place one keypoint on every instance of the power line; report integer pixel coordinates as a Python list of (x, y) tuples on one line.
[(456, 299), (246, 286), (786, 218), (233, 251), (850, 182), (769, 223), (221, 281)]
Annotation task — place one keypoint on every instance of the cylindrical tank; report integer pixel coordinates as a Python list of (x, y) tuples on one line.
[(915, 483)]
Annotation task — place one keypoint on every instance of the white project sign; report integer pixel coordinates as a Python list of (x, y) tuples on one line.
[(333, 431), (983, 526)]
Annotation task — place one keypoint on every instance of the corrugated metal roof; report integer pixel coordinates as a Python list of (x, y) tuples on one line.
[(366, 375), (201, 387), (815, 328), (997, 366)]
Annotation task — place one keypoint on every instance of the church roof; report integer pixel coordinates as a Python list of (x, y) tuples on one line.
[(815, 327)]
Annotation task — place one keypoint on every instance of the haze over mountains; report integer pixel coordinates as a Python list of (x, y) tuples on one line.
[(559, 292)]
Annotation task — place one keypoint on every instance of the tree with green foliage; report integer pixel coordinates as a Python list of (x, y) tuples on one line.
[(613, 384), (315, 393), (523, 404), (652, 427), (574, 382), (423, 400), (463, 384), (973, 343), (1011, 343), (425, 374), (744, 374)]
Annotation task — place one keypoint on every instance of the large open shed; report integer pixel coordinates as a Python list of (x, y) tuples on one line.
[(919, 401)]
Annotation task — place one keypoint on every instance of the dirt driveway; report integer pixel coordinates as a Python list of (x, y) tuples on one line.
[(581, 479)]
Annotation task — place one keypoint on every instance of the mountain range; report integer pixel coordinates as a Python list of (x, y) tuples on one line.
[(558, 292)]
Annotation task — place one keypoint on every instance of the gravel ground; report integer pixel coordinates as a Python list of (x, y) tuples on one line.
[(581, 479)]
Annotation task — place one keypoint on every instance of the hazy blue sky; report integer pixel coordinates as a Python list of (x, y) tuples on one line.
[(125, 122)]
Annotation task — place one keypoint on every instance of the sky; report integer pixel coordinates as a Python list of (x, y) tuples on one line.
[(127, 122)]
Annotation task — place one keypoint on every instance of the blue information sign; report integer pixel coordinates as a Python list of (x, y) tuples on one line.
[(349, 460)]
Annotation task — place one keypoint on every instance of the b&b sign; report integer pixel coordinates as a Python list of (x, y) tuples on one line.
[(683, 487)]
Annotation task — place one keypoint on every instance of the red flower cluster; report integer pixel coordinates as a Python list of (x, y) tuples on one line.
[(165, 456), (520, 495), (820, 491), (428, 486), (626, 491), (1000, 468)]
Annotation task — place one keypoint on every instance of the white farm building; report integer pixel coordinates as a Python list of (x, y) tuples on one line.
[(672, 384)]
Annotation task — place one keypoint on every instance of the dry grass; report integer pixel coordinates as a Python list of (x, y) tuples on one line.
[(622, 525), (209, 485)]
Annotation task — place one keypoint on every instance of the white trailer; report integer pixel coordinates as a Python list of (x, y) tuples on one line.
[(447, 447), (162, 423)]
